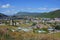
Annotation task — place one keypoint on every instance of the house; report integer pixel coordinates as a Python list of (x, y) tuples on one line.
[(39, 26), (51, 29), (45, 19), (57, 19), (1, 23), (36, 20), (51, 21)]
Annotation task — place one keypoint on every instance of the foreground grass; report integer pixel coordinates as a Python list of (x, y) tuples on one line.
[(26, 35), (7, 26), (34, 36)]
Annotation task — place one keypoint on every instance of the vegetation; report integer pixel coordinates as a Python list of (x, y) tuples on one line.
[(57, 27), (29, 36), (52, 14), (34, 24)]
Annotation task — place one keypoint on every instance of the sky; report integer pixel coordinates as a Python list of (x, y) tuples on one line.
[(10, 7)]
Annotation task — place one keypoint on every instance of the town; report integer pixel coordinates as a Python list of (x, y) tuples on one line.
[(32, 24)]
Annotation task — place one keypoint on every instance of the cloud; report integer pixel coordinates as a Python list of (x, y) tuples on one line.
[(48, 8), (42, 8), (5, 6), (39, 9), (10, 12), (36, 8), (54, 8)]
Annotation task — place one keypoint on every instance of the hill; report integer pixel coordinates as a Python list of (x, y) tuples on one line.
[(52, 14), (3, 15), (26, 14)]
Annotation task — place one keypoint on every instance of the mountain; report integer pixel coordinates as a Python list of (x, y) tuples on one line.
[(55, 13), (52, 14), (2, 15), (26, 14)]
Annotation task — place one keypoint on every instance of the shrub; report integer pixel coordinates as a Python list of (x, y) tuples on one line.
[(57, 27)]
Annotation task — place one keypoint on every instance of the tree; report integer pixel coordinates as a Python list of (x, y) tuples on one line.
[(57, 27), (34, 24)]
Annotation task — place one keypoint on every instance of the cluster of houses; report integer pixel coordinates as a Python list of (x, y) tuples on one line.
[(35, 20), (51, 19)]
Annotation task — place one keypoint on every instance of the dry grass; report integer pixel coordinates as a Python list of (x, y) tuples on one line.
[(33, 36), (28, 36)]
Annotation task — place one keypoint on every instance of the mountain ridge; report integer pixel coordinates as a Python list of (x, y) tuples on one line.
[(3, 15), (52, 14)]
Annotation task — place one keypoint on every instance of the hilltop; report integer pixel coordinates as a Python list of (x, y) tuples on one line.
[(52, 14)]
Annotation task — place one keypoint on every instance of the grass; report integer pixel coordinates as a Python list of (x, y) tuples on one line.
[(7, 26), (30, 35), (26, 25), (34, 36), (57, 34)]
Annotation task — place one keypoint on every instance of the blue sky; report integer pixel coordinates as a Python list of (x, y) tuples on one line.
[(11, 7)]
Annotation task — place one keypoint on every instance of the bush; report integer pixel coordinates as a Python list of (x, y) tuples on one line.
[(57, 27), (34, 24)]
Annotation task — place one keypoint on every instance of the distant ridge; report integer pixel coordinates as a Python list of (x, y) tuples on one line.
[(52, 14), (2, 15), (26, 14)]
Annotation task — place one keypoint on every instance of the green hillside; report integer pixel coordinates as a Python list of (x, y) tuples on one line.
[(52, 14)]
